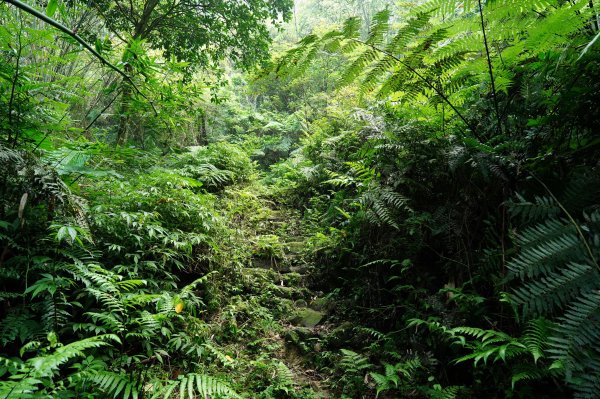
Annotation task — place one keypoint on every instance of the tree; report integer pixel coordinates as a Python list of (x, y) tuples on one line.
[(201, 32)]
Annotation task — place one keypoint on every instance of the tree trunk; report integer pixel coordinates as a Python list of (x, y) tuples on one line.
[(125, 109), (202, 135), (140, 32)]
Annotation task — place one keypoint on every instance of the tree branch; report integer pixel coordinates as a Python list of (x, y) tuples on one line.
[(78, 38)]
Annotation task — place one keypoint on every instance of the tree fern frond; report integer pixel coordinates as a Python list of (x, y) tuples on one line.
[(407, 33), (377, 73), (357, 67), (542, 209), (545, 295), (560, 279), (351, 28), (548, 245), (379, 27), (578, 327)]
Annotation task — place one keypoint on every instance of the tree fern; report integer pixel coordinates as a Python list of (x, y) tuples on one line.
[(440, 54)]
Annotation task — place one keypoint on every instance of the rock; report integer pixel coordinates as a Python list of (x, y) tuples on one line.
[(301, 303), (307, 317), (322, 304), (285, 292)]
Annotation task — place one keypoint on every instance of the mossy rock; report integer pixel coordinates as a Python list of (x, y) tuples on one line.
[(298, 339), (307, 317), (286, 292), (340, 335), (322, 304), (301, 303)]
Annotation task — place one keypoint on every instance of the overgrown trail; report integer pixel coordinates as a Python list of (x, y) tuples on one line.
[(284, 266), (398, 199)]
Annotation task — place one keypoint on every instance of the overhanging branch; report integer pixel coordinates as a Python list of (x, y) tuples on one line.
[(30, 10)]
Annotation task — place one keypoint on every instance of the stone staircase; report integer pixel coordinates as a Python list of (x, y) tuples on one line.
[(288, 274)]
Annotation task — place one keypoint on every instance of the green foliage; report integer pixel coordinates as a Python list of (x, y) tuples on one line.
[(559, 275), (353, 366), (190, 385), (217, 165), (35, 376), (370, 179)]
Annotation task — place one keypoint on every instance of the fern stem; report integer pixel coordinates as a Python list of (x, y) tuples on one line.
[(490, 69), (572, 220), (424, 80)]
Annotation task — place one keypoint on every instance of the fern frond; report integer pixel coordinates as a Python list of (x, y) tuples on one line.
[(407, 33), (358, 66), (379, 27), (46, 365), (560, 279), (351, 28), (354, 362), (547, 294), (193, 384), (113, 384)]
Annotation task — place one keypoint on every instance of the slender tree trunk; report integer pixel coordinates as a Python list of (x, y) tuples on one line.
[(13, 115), (125, 110), (140, 33), (202, 136), (296, 22), (490, 70)]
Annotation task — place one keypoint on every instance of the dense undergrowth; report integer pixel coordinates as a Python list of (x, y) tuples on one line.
[(406, 207)]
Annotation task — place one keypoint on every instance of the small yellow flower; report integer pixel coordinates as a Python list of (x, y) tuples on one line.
[(179, 307)]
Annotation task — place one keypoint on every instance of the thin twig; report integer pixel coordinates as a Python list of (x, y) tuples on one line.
[(102, 112)]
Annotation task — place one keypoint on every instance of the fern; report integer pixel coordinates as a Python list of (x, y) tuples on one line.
[(113, 384), (353, 362), (450, 392), (45, 366), (559, 276), (524, 353), (192, 384), (31, 377), (439, 53), (395, 374), (382, 203)]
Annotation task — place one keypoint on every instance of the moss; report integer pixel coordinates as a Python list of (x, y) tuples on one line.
[(307, 317)]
